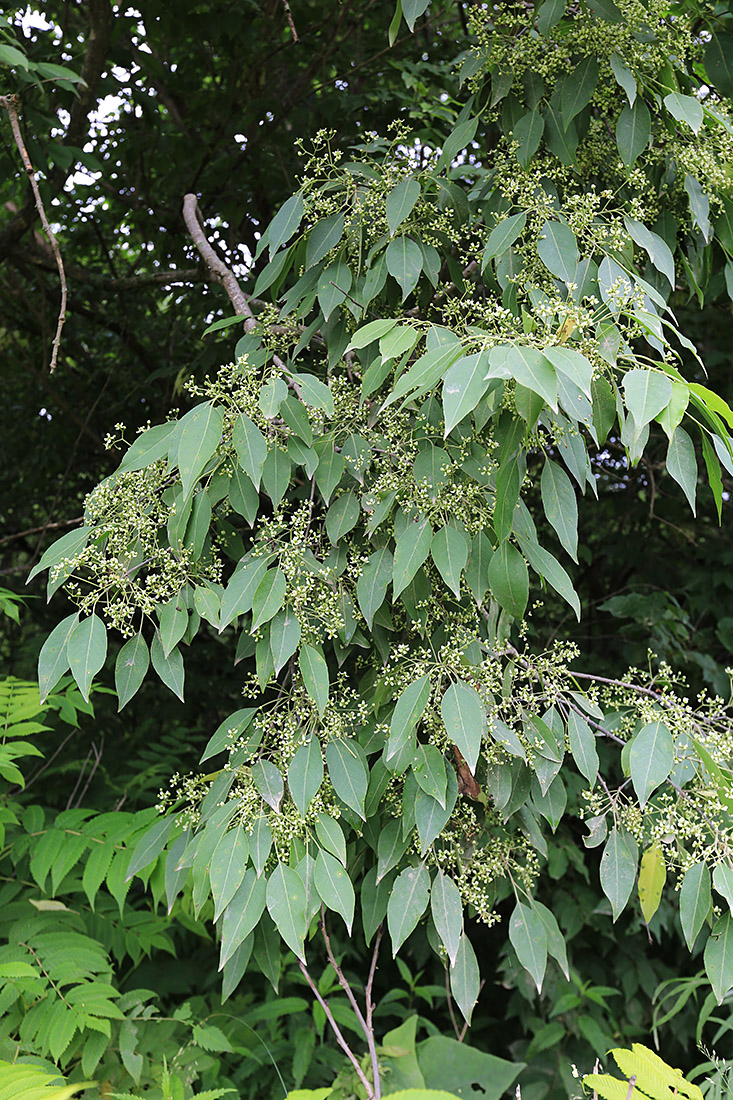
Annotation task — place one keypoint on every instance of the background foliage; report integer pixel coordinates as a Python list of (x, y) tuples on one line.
[(209, 100)]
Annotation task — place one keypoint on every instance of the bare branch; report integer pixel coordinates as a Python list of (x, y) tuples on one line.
[(10, 103), (217, 267), (337, 1032)]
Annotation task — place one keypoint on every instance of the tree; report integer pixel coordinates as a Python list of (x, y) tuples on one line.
[(435, 337)]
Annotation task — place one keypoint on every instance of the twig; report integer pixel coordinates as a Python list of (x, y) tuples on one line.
[(217, 267), (337, 1032), (44, 527), (365, 1027), (370, 1010), (10, 103), (451, 1013), (289, 17)]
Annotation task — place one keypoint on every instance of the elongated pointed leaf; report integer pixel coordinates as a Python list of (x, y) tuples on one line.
[(618, 869), (647, 392), (558, 250), (407, 903), (348, 772), (578, 88), (314, 670), (682, 464), (652, 876), (560, 505), (632, 131), (53, 660), (195, 440), (465, 720), (719, 956), (504, 235), (132, 663), (86, 650), (227, 868), (240, 591), (583, 746), (251, 448), (464, 384), (650, 759), (413, 547), (404, 263), (509, 580), (465, 979), (695, 901), (334, 887), (284, 637), (170, 668), (305, 774), (528, 937), (242, 914), (269, 782), (268, 597), (150, 845), (371, 587), (407, 713), (286, 904), (400, 201), (447, 910), (531, 369), (449, 550)]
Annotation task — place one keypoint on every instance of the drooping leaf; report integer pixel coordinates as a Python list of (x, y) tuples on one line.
[(86, 650), (530, 368), (509, 580), (269, 782), (348, 772), (633, 129), (334, 887), (285, 632), (53, 660), (407, 903), (578, 88), (131, 665), (314, 670), (558, 250), (560, 505), (404, 263), (464, 384), (652, 876), (447, 910), (242, 914), (371, 587), (305, 774), (465, 979), (650, 759), (695, 901), (194, 441), (682, 464), (718, 956), (412, 549), (647, 393), (269, 597), (465, 720), (400, 202), (504, 235), (227, 868), (528, 937), (528, 134), (286, 904), (449, 551), (618, 868), (251, 448), (583, 746), (407, 713)]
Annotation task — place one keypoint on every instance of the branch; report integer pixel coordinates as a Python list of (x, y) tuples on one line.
[(217, 267), (337, 1032), (10, 103), (45, 527)]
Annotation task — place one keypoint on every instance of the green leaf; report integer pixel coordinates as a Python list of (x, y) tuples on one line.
[(528, 937), (699, 206), (560, 505), (574, 366), (170, 669), (242, 914), (719, 956), (407, 903), (578, 89), (370, 332), (685, 108), (86, 650), (408, 711), (558, 250), (334, 887), (528, 134), (412, 548), (618, 868), (228, 731), (323, 237), (374, 899), (723, 882), (447, 910), (561, 140), (449, 551), (284, 637), (314, 670), (391, 846), (583, 746), (269, 597), (509, 580), (240, 592), (549, 15), (464, 384), (555, 940), (53, 660), (412, 10), (305, 774), (173, 619), (333, 286), (464, 717), (695, 901), (428, 767), (652, 876), (544, 563), (503, 235), (404, 263), (348, 772), (606, 9), (633, 129), (286, 904), (251, 448), (532, 369), (131, 665), (315, 393), (624, 77), (330, 836), (285, 222), (150, 845), (149, 446), (646, 392), (682, 464), (465, 979), (719, 63), (194, 441), (227, 868), (650, 759), (269, 782), (329, 472), (260, 843), (400, 201), (342, 516), (371, 587)]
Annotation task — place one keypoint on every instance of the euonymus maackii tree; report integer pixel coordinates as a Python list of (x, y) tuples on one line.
[(430, 334)]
